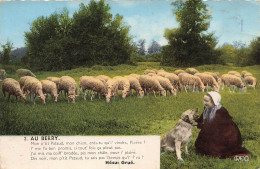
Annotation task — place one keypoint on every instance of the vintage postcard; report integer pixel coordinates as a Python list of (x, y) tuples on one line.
[(131, 84)]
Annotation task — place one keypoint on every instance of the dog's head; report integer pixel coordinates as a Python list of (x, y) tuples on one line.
[(191, 116)]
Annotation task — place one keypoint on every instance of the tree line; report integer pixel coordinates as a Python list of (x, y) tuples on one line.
[(94, 36)]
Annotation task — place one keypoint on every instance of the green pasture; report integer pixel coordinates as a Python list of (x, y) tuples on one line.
[(134, 116)]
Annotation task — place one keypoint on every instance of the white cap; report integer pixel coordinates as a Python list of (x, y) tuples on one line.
[(215, 97)]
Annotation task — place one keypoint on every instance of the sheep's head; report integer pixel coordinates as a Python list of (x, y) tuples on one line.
[(141, 93), (163, 92), (72, 98), (55, 97), (216, 87), (124, 93), (174, 92), (42, 97)]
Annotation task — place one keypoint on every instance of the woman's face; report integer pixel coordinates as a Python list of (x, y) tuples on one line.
[(208, 102)]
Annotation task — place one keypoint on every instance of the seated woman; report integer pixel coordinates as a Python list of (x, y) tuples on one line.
[(219, 135)]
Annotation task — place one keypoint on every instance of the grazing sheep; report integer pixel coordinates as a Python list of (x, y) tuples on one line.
[(177, 72), (232, 80), (250, 81), (149, 71), (190, 80), (191, 71), (137, 76), (12, 87), (23, 80), (49, 87), (208, 80), (93, 84), (124, 85), (2, 74), (174, 79), (54, 79), (24, 72), (149, 83), (135, 85), (34, 87), (151, 74), (106, 78), (215, 75), (112, 86), (162, 73), (69, 85), (166, 84), (247, 74), (235, 73)]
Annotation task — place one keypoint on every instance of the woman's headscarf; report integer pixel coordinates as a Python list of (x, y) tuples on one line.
[(209, 113)]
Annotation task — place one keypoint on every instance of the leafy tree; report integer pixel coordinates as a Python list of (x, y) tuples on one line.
[(227, 53), (91, 36), (155, 47), (190, 44), (6, 53), (255, 51), (141, 47), (241, 53)]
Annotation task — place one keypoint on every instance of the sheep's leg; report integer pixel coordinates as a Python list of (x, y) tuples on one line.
[(3, 92), (84, 95), (207, 87), (8, 96), (92, 93), (34, 99), (154, 93), (185, 88), (193, 88)]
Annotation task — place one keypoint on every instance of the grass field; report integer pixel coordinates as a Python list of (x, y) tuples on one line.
[(134, 116)]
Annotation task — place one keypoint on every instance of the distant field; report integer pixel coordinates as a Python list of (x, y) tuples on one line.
[(134, 116)]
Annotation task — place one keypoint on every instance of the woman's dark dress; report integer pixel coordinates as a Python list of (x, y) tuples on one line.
[(219, 138)]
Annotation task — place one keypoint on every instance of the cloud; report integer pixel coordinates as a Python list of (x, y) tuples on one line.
[(150, 27)]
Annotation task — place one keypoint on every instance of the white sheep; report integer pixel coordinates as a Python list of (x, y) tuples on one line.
[(106, 78), (54, 79), (208, 80), (12, 87), (34, 87), (247, 74), (250, 81), (232, 81), (24, 72), (2, 74), (149, 83), (69, 85), (162, 73), (123, 85), (215, 75), (49, 87), (135, 85), (112, 86), (191, 71), (190, 80), (149, 71), (178, 71), (22, 82), (93, 84), (174, 79), (166, 84), (235, 73), (137, 76)]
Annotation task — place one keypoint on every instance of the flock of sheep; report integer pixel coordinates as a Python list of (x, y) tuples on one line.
[(152, 81)]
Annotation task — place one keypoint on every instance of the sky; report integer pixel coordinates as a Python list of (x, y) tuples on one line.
[(236, 20)]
